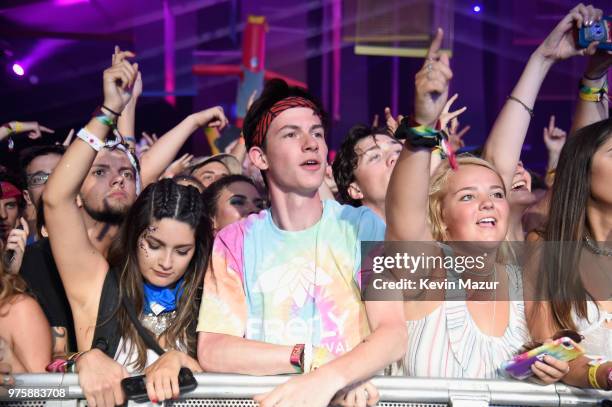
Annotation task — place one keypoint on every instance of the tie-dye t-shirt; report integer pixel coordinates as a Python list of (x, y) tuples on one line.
[(281, 287)]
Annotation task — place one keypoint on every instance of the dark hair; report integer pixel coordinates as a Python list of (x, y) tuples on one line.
[(568, 224), (275, 90), (346, 160), (161, 200), (189, 178), (28, 155), (211, 194)]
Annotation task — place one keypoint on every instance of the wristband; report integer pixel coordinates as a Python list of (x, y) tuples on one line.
[(18, 127), (129, 139), (307, 357), (589, 94), (93, 141), (593, 375), (297, 357), (104, 118)]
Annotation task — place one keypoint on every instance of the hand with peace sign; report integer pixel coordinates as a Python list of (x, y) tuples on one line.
[(454, 134), (431, 83)]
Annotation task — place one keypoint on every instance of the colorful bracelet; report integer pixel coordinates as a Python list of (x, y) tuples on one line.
[(530, 111), (589, 94), (104, 118), (129, 139), (93, 141)]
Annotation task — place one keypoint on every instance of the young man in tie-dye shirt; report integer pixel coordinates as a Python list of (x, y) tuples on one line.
[(282, 290)]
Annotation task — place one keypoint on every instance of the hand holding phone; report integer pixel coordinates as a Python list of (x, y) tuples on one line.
[(600, 31), (564, 349), (135, 388)]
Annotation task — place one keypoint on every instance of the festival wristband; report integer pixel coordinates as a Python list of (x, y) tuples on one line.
[(297, 358), (93, 141), (593, 375), (105, 118), (589, 94)]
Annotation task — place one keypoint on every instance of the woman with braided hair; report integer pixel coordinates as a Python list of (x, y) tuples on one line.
[(154, 267), (139, 300)]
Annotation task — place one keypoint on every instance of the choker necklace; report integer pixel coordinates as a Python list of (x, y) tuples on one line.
[(592, 246)]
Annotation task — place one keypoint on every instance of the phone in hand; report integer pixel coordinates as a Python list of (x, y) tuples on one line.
[(564, 349), (599, 31), (135, 388)]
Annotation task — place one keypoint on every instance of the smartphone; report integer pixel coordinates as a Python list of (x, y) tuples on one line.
[(135, 388), (599, 31), (563, 349)]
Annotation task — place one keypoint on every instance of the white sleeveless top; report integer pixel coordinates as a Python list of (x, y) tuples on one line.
[(127, 356), (448, 343), (597, 337)]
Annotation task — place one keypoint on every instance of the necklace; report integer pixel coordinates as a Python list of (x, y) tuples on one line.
[(158, 323), (592, 246)]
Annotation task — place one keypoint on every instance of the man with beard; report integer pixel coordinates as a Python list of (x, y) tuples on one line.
[(105, 196)]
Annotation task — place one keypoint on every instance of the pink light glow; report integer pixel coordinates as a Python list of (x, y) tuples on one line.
[(18, 69), (69, 2)]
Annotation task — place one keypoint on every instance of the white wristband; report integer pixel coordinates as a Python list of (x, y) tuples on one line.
[(93, 141)]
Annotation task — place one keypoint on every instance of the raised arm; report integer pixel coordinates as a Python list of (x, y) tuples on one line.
[(162, 153), (33, 129), (81, 267), (408, 192), (504, 144), (595, 76)]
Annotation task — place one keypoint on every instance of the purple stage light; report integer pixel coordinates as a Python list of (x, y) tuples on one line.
[(476, 9), (18, 69), (69, 2)]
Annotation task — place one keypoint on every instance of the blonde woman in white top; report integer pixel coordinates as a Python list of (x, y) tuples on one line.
[(464, 337)]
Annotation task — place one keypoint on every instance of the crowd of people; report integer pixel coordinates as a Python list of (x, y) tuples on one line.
[(119, 260)]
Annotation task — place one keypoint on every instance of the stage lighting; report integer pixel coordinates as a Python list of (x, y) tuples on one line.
[(476, 9), (18, 69)]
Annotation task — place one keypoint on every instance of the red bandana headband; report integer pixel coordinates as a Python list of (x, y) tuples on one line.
[(9, 190), (264, 123)]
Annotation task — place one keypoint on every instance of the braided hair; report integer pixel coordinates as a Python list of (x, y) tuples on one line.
[(162, 200)]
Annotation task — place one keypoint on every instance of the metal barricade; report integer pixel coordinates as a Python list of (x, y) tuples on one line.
[(224, 390)]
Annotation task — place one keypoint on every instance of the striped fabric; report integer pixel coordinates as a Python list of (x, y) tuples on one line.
[(448, 343), (264, 123)]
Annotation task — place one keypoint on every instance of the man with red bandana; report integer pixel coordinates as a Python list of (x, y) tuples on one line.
[(282, 291)]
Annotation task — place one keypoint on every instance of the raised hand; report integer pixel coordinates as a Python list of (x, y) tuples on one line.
[(561, 42), (212, 117), (554, 137), (431, 83), (119, 80), (454, 134), (178, 166), (33, 129), (391, 122)]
